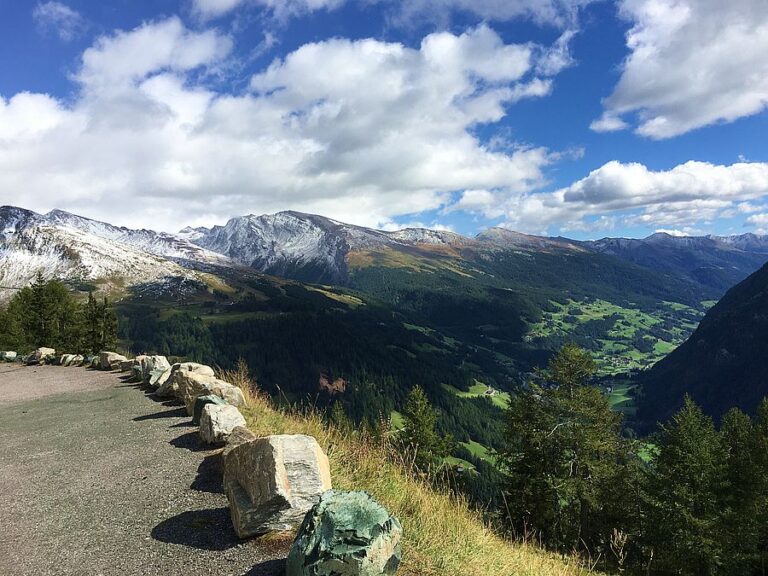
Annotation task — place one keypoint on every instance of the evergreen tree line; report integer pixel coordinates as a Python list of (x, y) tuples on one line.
[(47, 314), (574, 482)]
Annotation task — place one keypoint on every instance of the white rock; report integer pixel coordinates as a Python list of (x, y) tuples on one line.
[(272, 482), (218, 421), (193, 384), (110, 360)]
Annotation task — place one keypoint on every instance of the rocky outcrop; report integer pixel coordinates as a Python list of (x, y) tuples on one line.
[(330, 385), (217, 422), (346, 533), (272, 482), (201, 402), (110, 360)]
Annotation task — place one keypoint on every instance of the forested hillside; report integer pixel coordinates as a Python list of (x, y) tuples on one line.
[(723, 364)]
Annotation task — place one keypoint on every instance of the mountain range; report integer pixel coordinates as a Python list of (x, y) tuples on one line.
[(316, 249)]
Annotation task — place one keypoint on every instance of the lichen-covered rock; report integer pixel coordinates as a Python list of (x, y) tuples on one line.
[(8, 356), (346, 534), (217, 422), (201, 402), (110, 360), (272, 482), (41, 356), (66, 359)]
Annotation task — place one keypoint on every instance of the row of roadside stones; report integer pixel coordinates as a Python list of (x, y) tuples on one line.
[(276, 483)]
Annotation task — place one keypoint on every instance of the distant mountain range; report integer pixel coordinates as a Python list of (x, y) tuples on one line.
[(316, 249)]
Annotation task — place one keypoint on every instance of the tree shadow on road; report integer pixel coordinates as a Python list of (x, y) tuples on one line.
[(208, 529)]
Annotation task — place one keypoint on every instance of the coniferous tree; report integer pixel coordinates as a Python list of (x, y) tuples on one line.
[(419, 433), (684, 492), (563, 459)]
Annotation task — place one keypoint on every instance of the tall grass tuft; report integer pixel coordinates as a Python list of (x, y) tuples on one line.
[(442, 534)]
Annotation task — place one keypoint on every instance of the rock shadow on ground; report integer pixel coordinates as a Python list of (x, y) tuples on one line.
[(209, 477), (207, 529)]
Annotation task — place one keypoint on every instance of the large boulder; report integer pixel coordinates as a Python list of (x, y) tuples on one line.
[(159, 376), (110, 360), (272, 482), (346, 533), (169, 382), (192, 384), (41, 356), (126, 365), (218, 421), (8, 356), (67, 359), (150, 365), (77, 360), (239, 435), (201, 402)]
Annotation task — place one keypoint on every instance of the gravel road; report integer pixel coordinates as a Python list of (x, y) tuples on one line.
[(99, 478)]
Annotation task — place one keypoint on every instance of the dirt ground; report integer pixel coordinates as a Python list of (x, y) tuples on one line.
[(98, 477)]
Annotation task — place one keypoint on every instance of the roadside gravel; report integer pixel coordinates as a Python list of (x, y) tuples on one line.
[(97, 477)]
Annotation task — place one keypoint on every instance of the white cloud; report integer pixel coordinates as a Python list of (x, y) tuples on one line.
[(688, 195), (364, 131), (692, 63), (281, 9), (561, 13), (59, 18), (758, 220)]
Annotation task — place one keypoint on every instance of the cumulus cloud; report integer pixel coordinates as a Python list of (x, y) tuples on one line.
[(692, 63), (364, 131), (60, 19), (680, 198)]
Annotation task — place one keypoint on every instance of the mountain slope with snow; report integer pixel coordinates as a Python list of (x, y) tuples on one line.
[(79, 250)]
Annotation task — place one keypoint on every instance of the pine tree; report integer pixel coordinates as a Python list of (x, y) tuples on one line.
[(563, 458), (742, 505), (420, 433), (684, 492)]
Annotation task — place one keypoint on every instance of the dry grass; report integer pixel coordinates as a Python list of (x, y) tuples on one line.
[(441, 533)]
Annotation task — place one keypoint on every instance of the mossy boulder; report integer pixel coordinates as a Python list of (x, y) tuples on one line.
[(346, 534)]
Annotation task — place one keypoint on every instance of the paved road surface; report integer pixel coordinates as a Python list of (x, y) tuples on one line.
[(99, 478)]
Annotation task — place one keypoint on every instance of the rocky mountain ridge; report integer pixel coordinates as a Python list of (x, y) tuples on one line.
[(79, 250), (313, 248)]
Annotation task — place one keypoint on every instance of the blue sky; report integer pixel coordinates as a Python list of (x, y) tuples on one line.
[(574, 117)]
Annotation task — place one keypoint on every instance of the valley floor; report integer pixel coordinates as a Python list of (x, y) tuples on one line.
[(99, 478)]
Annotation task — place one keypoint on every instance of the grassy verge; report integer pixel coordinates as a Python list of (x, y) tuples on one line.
[(441, 533)]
